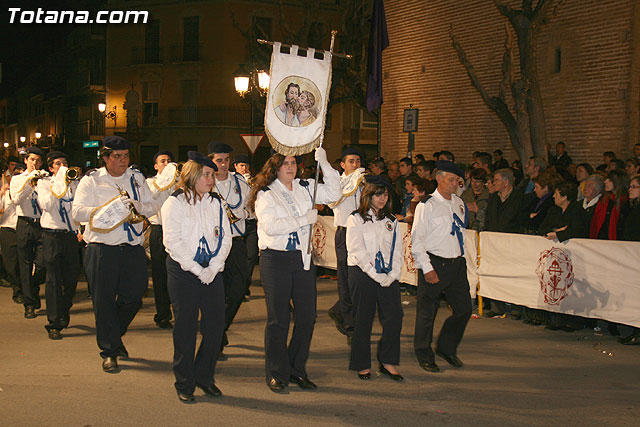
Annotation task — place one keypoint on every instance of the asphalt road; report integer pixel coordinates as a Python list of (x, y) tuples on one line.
[(514, 374)]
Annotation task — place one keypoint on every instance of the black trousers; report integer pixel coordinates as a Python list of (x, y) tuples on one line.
[(118, 278), (235, 280), (251, 241), (285, 280), (63, 265), (367, 294), (453, 282), (343, 307), (159, 274), (190, 298), (29, 245), (9, 248)]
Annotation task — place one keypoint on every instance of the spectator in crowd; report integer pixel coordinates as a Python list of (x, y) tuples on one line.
[(425, 168), (572, 169), (536, 212), (516, 167), (593, 189), (633, 165), (393, 171), (489, 184), (561, 159), (476, 197), (566, 219), (378, 167), (615, 164), (499, 162), (436, 156), (636, 151), (408, 185), (419, 158), (446, 155), (534, 166), (607, 157), (483, 161), (421, 191), (405, 167), (611, 209), (583, 171)]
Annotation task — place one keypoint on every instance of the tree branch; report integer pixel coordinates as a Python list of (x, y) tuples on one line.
[(505, 10), (507, 63), (526, 6)]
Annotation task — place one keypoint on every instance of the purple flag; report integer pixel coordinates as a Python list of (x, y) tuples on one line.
[(378, 41)]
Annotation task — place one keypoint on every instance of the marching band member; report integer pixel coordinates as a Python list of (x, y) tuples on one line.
[(242, 165), (350, 184), (59, 242), (285, 212), (234, 190), (111, 199), (28, 233), (198, 239), (161, 186), (8, 243), (374, 244), (437, 247)]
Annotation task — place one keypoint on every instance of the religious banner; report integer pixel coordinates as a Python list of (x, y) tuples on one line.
[(582, 277), (323, 241), (297, 99)]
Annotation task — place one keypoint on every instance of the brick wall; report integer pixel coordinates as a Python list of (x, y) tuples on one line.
[(591, 104)]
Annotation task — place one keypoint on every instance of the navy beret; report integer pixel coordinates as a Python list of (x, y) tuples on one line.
[(352, 151), (19, 167), (203, 160), (448, 166), (114, 142), (378, 180), (13, 159), (242, 158), (35, 150), (163, 153), (56, 155), (218, 147)]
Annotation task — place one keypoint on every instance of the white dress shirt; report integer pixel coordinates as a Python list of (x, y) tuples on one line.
[(9, 215), (56, 213), (365, 239), (159, 197), (279, 210), (24, 196), (185, 224), (586, 205), (235, 191), (96, 189), (346, 207), (432, 227)]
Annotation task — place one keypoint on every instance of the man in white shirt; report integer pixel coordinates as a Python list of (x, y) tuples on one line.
[(59, 243), (438, 247), (234, 190), (8, 242), (242, 165), (163, 314), (341, 311), (28, 233), (115, 261)]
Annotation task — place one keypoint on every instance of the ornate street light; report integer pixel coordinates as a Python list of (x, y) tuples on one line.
[(38, 135), (111, 115)]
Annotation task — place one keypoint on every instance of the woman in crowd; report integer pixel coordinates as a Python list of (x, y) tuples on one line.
[(421, 191), (583, 171), (197, 238), (409, 184), (612, 207), (632, 167), (544, 184), (631, 231), (374, 246), (284, 208), (476, 197)]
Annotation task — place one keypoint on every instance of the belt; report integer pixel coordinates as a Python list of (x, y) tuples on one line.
[(53, 230), (237, 237), (341, 228), (156, 225), (29, 219), (441, 259)]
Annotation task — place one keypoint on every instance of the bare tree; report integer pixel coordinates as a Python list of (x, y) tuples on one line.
[(525, 121)]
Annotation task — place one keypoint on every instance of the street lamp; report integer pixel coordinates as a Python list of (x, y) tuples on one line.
[(251, 86), (111, 115), (23, 139), (38, 135)]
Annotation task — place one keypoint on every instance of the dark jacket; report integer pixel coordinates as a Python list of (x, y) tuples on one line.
[(631, 224), (540, 207), (561, 162), (574, 217), (504, 217)]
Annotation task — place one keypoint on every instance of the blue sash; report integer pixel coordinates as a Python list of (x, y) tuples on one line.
[(456, 228), (131, 231), (380, 266), (203, 253), (64, 215)]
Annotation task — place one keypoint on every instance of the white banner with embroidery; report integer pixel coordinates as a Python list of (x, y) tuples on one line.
[(583, 277), (297, 100)]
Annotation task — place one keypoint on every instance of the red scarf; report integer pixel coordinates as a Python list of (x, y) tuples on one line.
[(600, 215)]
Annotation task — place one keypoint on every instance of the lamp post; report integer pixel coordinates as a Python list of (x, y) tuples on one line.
[(251, 86), (111, 114)]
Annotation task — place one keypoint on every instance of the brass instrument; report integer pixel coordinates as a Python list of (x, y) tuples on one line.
[(134, 217), (74, 173), (179, 167), (232, 217), (33, 179)]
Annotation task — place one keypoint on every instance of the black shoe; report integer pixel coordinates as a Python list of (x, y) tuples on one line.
[(451, 359), (30, 313), (633, 339), (613, 329), (110, 365), (65, 320), (122, 352), (222, 357), (211, 390), (303, 383), (365, 376), (429, 367), (186, 398), (164, 324), (5, 283), (338, 321), (276, 386), (395, 377), (54, 334), (18, 299)]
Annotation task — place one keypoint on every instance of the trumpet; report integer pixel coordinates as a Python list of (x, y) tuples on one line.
[(179, 167), (33, 179), (134, 217), (232, 217), (74, 173)]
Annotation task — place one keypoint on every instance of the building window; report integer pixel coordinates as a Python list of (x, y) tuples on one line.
[(191, 38), (183, 151), (150, 116), (363, 119), (152, 42), (150, 91), (557, 60)]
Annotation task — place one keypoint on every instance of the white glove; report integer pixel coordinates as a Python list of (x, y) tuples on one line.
[(208, 274), (387, 281), (309, 218), (128, 200), (321, 156)]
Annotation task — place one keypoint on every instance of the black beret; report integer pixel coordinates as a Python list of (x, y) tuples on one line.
[(20, 166), (114, 142), (218, 147), (378, 180), (448, 166), (13, 159), (56, 155), (352, 151), (242, 158), (203, 160), (163, 153), (35, 150)]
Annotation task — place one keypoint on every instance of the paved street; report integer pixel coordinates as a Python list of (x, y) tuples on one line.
[(514, 375)]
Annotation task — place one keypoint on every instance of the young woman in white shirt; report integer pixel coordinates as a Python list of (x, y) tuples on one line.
[(284, 208), (197, 237), (374, 247)]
